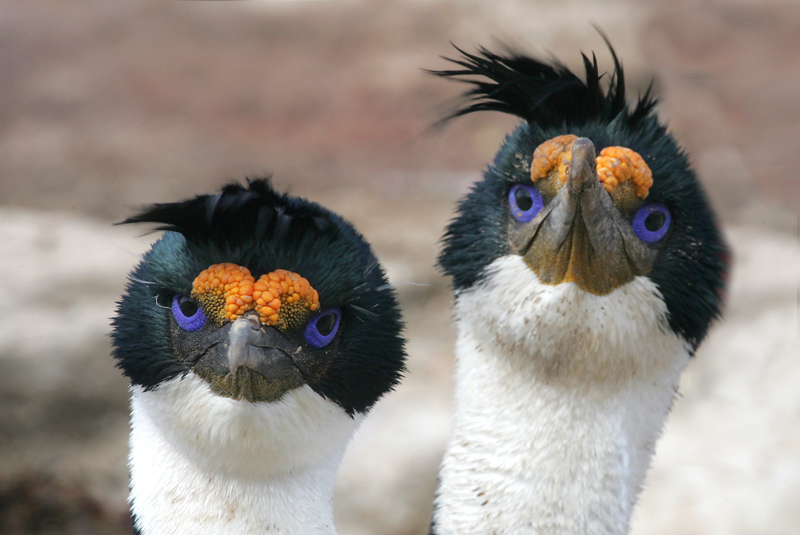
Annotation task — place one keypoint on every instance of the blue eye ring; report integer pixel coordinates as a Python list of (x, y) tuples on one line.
[(652, 222), (518, 197), (189, 323), (317, 339)]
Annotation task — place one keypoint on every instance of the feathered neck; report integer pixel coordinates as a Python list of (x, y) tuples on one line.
[(201, 464), (556, 414)]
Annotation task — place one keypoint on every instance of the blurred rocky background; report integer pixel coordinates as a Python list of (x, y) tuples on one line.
[(106, 106)]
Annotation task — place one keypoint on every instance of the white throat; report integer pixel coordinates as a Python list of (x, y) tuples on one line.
[(203, 464), (560, 398)]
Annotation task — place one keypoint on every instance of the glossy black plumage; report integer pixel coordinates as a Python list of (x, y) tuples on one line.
[(543, 93), (691, 263), (263, 230)]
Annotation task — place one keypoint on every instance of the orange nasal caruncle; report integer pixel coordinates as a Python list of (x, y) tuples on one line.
[(615, 165), (226, 291), (284, 298), (551, 154)]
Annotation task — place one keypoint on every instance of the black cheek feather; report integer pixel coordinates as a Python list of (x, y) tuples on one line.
[(141, 334), (691, 269), (371, 351), (373, 364), (477, 235)]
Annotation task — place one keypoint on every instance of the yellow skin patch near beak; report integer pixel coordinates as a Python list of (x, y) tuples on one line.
[(615, 165), (281, 298)]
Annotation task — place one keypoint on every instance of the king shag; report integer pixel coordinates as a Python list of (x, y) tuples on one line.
[(587, 267), (256, 333)]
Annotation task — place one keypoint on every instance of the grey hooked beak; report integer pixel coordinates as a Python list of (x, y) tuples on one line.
[(582, 172), (263, 350), (581, 236)]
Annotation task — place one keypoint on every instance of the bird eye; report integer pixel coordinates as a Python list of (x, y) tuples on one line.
[(652, 222), (322, 328), (525, 202), (189, 316)]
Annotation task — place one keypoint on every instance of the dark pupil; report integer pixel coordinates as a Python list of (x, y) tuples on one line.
[(523, 199), (188, 307), (654, 221), (325, 324)]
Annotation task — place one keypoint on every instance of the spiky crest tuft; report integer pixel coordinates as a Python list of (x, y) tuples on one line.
[(237, 213), (543, 94)]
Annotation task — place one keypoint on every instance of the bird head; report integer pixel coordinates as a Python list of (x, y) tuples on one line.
[(591, 194), (259, 293)]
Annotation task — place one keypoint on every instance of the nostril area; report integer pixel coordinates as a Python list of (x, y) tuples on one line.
[(253, 319)]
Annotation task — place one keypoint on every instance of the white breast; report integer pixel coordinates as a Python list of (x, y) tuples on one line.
[(204, 464), (560, 397)]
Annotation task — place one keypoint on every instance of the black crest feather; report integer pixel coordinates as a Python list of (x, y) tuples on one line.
[(237, 213), (543, 94)]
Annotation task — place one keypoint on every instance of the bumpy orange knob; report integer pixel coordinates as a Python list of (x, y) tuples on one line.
[(615, 165), (226, 291)]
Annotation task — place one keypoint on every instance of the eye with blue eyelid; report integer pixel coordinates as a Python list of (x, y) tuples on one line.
[(525, 202), (322, 328), (188, 315), (652, 222)]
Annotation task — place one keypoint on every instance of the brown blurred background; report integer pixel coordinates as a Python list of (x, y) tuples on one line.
[(105, 106)]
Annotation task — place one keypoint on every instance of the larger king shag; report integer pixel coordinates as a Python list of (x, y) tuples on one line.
[(256, 333), (587, 267)]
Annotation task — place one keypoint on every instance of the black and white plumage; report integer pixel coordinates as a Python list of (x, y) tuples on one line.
[(239, 426), (578, 303)]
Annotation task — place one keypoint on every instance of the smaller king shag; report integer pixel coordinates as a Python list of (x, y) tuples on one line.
[(256, 333), (587, 267)]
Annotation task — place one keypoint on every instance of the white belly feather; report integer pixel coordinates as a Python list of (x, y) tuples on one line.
[(560, 398), (203, 464)]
